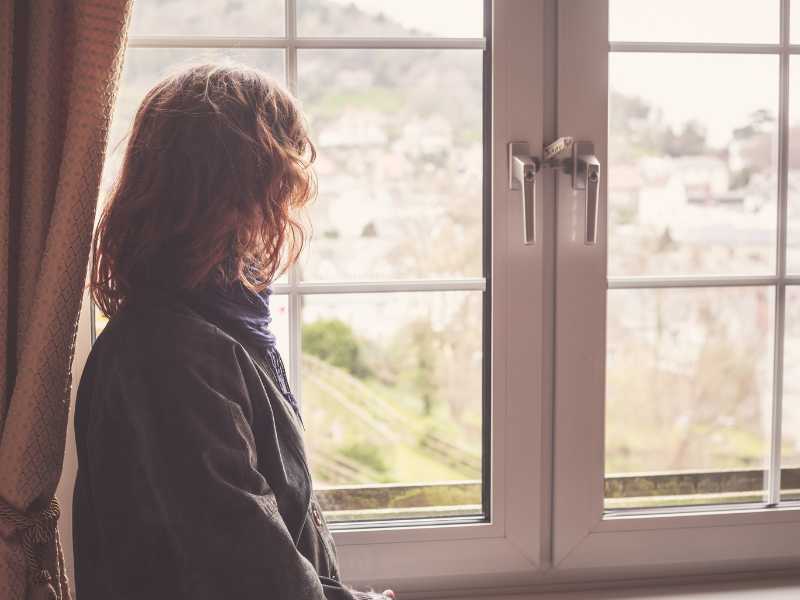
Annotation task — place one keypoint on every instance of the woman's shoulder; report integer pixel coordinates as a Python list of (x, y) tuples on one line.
[(165, 332), (144, 351)]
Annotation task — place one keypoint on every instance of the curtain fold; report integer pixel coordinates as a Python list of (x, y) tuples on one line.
[(60, 62)]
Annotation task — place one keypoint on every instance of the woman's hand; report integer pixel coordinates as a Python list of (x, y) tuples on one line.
[(389, 593)]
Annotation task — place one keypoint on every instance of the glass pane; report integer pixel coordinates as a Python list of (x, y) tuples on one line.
[(790, 459), (399, 135), (793, 214), (688, 395), (692, 180), (390, 18), (794, 22), (392, 388), (720, 21), (209, 17)]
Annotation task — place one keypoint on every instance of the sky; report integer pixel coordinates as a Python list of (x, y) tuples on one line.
[(723, 21), (446, 18), (718, 90)]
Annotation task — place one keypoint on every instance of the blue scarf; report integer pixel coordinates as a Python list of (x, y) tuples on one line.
[(242, 310), (246, 315)]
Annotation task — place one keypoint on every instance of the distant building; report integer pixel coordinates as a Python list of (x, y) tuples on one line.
[(355, 128), (702, 177), (427, 138), (624, 191)]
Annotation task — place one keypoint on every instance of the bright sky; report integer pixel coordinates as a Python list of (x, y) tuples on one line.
[(446, 18), (718, 90), (729, 21)]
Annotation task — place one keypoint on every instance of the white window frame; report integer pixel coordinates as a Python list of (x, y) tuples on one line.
[(548, 527), (509, 547), (625, 543)]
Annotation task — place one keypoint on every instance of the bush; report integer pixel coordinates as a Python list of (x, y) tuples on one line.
[(367, 454), (333, 341)]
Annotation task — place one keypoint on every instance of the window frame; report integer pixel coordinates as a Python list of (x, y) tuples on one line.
[(678, 540), (510, 546), (547, 525)]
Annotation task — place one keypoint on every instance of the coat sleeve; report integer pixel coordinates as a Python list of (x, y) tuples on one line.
[(178, 492)]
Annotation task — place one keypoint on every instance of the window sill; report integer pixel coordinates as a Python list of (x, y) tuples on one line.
[(777, 587)]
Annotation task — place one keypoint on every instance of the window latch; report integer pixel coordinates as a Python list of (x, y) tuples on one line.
[(522, 169), (580, 162)]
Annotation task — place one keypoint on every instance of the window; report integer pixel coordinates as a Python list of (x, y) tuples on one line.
[(383, 324), (693, 197), (680, 321), (694, 188), (630, 406), (410, 260)]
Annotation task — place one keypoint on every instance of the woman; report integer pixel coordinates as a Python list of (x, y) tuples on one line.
[(192, 476)]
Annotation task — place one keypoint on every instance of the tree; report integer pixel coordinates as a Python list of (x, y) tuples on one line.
[(636, 128), (334, 341), (691, 141), (422, 340)]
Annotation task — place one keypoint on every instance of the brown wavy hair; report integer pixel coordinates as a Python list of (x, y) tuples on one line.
[(217, 166)]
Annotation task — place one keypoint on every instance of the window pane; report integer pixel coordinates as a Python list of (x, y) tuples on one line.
[(390, 18), (794, 21), (692, 180), (729, 21), (210, 17), (688, 395), (392, 389), (790, 460), (793, 214), (399, 135)]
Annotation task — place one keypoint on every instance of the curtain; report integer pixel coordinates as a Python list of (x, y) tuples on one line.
[(60, 62)]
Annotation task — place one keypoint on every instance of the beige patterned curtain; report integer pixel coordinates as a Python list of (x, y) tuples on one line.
[(59, 67)]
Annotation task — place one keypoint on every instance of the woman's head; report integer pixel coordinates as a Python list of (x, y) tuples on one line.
[(217, 164)]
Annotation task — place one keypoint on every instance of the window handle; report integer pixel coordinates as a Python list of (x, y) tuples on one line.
[(582, 165), (522, 170), (586, 179)]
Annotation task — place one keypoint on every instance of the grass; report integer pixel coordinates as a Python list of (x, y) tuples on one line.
[(405, 461)]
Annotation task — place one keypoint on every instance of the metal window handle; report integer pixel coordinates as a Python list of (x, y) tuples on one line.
[(586, 178), (583, 166), (522, 176)]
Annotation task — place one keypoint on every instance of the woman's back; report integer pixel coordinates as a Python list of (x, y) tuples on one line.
[(192, 479)]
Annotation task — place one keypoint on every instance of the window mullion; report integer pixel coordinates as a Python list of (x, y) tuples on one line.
[(333, 43), (703, 281), (295, 304), (773, 487), (694, 48), (377, 287), (291, 45)]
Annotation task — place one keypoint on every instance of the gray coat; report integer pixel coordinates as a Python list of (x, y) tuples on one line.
[(192, 475)]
